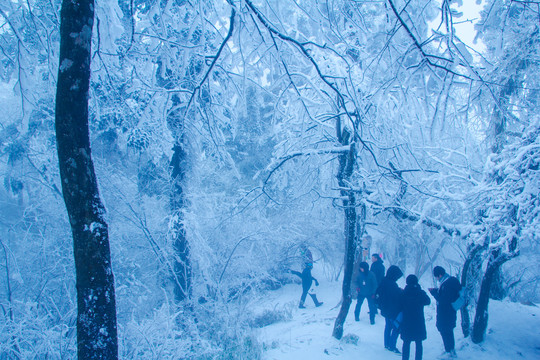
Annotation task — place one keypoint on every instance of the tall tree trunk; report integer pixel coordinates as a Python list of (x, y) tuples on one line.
[(96, 309), (471, 266), (346, 164), (496, 260), (182, 261)]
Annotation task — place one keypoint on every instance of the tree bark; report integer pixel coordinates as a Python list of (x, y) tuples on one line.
[(96, 308), (471, 265), (496, 260), (182, 261), (346, 163)]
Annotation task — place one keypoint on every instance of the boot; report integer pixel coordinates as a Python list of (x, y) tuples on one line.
[(301, 306), (314, 297)]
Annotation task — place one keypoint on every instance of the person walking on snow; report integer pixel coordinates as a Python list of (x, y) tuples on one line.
[(413, 326), (366, 285), (389, 298), (307, 280), (377, 267), (446, 294)]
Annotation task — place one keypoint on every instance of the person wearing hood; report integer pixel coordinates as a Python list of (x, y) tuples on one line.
[(377, 267), (446, 294), (413, 326), (366, 285), (389, 301)]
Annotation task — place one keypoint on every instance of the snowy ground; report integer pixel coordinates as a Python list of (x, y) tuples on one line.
[(513, 333)]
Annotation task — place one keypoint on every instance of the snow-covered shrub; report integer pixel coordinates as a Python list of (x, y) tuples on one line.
[(207, 331), (352, 339), (271, 316)]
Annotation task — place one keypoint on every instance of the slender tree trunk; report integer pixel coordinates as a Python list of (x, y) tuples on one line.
[(182, 262), (96, 309), (350, 227), (346, 163)]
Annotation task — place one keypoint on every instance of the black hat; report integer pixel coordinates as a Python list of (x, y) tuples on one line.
[(412, 280)]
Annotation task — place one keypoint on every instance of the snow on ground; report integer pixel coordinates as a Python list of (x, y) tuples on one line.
[(513, 332)]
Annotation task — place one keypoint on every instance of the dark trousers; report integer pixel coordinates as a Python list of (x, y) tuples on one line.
[(407, 349), (371, 305), (304, 295), (391, 333), (448, 339)]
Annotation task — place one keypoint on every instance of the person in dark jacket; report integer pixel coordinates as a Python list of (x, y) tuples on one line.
[(307, 280), (413, 325), (446, 294), (377, 267), (389, 301), (366, 285)]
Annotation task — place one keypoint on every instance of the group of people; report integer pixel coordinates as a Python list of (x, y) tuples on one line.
[(403, 309)]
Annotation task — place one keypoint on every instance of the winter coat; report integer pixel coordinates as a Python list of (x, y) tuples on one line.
[(378, 269), (413, 325), (306, 277), (446, 294), (366, 282), (389, 293)]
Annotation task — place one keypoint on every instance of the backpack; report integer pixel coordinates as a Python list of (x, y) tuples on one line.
[(460, 301)]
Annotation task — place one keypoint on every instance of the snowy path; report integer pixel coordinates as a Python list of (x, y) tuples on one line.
[(514, 331)]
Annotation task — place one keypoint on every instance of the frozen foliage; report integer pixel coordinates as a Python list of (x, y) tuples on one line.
[(445, 155)]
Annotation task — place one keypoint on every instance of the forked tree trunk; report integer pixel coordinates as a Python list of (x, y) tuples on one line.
[(96, 309)]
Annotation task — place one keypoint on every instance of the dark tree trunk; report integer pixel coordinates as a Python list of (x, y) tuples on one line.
[(481, 316), (498, 291), (350, 227), (471, 267), (182, 262), (96, 316), (496, 260), (346, 164)]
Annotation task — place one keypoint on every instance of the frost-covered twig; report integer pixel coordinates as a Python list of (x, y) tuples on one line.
[(213, 63)]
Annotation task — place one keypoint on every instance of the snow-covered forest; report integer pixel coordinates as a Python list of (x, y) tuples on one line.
[(163, 162)]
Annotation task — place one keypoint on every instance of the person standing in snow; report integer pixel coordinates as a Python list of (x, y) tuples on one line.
[(377, 267), (389, 301), (307, 280), (366, 285), (413, 325), (446, 294)]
